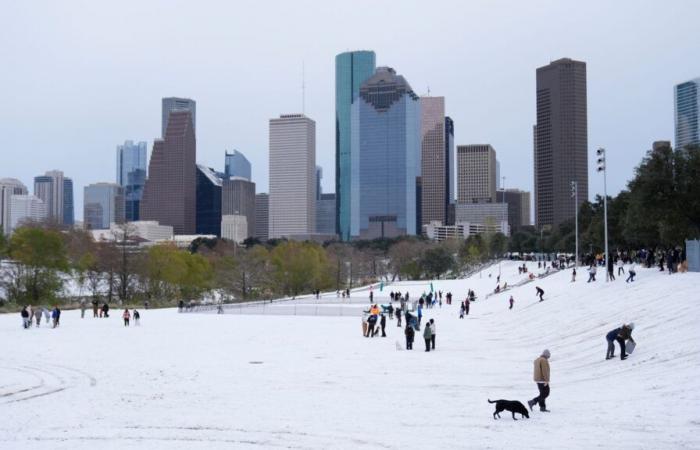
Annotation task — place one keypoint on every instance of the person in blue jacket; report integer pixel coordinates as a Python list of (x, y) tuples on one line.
[(420, 314), (620, 334)]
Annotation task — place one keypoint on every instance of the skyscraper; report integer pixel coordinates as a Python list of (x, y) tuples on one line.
[(292, 176), (68, 208), (238, 199), (209, 185), (171, 104), (686, 101), (560, 140), (518, 207), (476, 174), (351, 70), (435, 160), (103, 204), (386, 157), (450, 180), (169, 194), (49, 188), (237, 165), (25, 208), (131, 175), (261, 216), (319, 177), (8, 188), (325, 214)]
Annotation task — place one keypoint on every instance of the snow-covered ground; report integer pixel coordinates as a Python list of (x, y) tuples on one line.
[(205, 381)]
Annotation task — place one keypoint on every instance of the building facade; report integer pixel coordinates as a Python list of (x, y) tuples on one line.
[(8, 188), (262, 213), (560, 140), (325, 214), (238, 198), (237, 165), (169, 195), (24, 208), (518, 207), (50, 189), (386, 157), (68, 203), (209, 187), (103, 205), (171, 104), (351, 70), (234, 227), (131, 175), (435, 161), (686, 101), (492, 216), (292, 201), (476, 173)]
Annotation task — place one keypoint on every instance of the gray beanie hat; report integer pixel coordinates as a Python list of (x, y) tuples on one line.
[(546, 353)]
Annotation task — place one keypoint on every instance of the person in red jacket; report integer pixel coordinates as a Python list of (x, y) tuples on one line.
[(126, 316)]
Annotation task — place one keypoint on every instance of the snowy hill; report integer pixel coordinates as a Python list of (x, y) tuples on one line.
[(227, 381)]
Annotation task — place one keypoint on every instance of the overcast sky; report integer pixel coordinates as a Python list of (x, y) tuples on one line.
[(80, 77)]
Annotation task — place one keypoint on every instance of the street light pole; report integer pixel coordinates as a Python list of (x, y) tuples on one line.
[(602, 168), (574, 194)]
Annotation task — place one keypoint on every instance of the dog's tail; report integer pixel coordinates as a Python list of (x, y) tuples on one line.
[(490, 401)]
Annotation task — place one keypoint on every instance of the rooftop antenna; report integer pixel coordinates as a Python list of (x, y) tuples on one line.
[(428, 91), (303, 88)]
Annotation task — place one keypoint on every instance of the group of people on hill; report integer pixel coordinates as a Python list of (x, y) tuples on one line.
[(32, 316), (126, 315)]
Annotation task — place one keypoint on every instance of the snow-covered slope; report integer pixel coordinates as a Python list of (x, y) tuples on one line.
[(228, 381)]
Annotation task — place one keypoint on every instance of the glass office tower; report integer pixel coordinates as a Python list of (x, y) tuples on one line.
[(687, 113), (351, 70), (131, 175), (386, 157), (237, 165)]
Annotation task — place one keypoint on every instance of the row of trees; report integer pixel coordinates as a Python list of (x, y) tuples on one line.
[(659, 209)]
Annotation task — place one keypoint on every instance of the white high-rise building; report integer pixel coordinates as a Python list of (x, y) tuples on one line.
[(292, 201), (26, 208), (49, 188), (8, 188), (234, 227)]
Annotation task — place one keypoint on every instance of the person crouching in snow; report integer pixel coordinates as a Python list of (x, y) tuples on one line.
[(622, 336), (539, 292), (126, 316)]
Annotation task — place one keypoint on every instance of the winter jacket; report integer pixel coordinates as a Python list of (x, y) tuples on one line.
[(427, 332), (126, 315), (25, 313), (633, 269), (410, 333), (612, 335), (382, 321), (541, 370), (433, 329)]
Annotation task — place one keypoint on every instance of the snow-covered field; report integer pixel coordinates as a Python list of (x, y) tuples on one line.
[(205, 381)]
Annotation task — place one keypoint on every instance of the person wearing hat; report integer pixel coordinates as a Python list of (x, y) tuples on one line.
[(541, 377)]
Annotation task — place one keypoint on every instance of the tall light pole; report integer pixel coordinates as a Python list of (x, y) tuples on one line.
[(574, 194), (602, 168)]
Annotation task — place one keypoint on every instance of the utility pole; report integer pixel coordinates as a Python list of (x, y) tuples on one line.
[(602, 168), (574, 194)]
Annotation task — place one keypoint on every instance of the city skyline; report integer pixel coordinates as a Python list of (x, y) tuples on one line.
[(630, 99)]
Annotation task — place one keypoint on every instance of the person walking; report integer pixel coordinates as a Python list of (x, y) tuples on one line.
[(371, 322), (611, 270), (539, 292), (56, 316), (573, 275), (399, 314), (631, 273), (37, 315), (82, 309), (427, 335), (25, 317), (126, 316), (461, 310), (541, 377), (433, 332), (420, 315), (511, 301), (382, 324), (591, 273), (95, 307), (467, 304), (620, 267), (137, 318), (410, 335), (105, 310)]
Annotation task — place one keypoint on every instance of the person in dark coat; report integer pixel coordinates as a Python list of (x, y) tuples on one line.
[(399, 313), (56, 316), (511, 301), (371, 323), (466, 307), (427, 334), (382, 324), (95, 307), (624, 334), (410, 335), (105, 310), (25, 317), (433, 331), (461, 310), (540, 293)]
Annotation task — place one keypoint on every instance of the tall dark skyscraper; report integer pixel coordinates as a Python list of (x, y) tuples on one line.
[(169, 195), (68, 208), (560, 140), (208, 201), (351, 70)]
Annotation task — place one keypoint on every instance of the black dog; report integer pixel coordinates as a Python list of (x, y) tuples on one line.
[(513, 406)]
